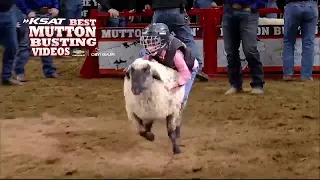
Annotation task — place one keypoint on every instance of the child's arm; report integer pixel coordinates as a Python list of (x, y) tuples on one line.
[(183, 70), (143, 54)]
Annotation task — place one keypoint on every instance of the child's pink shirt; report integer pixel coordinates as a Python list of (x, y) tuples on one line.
[(182, 68)]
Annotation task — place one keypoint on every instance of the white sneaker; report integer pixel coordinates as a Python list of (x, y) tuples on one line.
[(233, 91), (307, 79), (256, 91), (287, 78)]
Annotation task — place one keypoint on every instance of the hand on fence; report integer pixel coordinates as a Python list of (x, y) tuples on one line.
[(147, 7), (31, 14), (54, 12), (213, 4), (131, 18), (113, 13)]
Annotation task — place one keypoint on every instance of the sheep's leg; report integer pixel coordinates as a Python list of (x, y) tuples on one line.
[(149, 134), (178, 130), (137, 121), (171, 127), (148, 126), (144, 131)]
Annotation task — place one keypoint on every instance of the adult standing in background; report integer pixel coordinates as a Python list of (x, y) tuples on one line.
[(72, 9), (24, 49), (272, 4), (240, 23), (38, 9), (8, 39), (303, 13), (204, 4), (114, 7), (173, 14)]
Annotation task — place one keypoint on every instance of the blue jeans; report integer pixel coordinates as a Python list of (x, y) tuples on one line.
[(188, 86), (272, 4), (114, 22), (24, 49), (304, 14), (8, 38), (142, 53), (242, 26), (202, 4), (71, 9), (24, 52), (178, 23)]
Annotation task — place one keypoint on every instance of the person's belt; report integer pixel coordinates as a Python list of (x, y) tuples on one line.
[(298, 0), (43, 10), (164, 8), (237, 6)]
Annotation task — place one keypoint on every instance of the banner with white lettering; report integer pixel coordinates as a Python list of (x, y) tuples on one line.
[(124, 53), (270, 46), (123, 44), (135, 33), (271, 52), (125, 50), (87, 6), (271, 31)]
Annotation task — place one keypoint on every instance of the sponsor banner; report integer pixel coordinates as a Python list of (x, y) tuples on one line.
[(270, 31), (271, 52)]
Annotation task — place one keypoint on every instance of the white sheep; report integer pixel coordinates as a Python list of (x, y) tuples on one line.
[(147, 100)]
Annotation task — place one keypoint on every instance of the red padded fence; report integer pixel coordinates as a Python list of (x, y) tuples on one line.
[(207, 30)]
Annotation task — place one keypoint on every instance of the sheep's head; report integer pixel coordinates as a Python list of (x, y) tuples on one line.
[(141, 78)]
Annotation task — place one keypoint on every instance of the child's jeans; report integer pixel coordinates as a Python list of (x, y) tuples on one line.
[(188, 86), (142, 53)]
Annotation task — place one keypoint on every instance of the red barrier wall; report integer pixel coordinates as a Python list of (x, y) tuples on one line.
[(210, 20)]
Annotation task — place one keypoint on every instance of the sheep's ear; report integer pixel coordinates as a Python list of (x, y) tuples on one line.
[(128, 71), (156, 75)]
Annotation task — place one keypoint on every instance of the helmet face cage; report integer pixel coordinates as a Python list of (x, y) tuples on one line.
[(152, 44), (154, 38)]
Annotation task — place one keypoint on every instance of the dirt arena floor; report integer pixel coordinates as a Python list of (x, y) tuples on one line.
[(77, 128)]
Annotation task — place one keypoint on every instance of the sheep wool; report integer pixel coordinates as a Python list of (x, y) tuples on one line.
[(155, 103)]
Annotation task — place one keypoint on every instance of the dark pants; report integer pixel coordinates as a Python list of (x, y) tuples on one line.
[(201, 4), (71, 9), (114, 22), (24, 49), (179, 24), (9, 40), (241, 25)]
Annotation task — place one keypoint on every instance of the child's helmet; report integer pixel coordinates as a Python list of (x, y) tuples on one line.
[(155, 38)]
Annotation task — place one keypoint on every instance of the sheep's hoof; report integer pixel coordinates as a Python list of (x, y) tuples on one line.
[(149, 136), (176, 150)]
